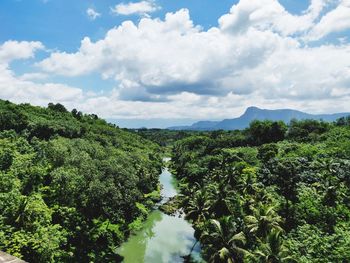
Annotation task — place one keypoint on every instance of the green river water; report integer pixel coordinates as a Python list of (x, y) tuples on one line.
[(163, 238)]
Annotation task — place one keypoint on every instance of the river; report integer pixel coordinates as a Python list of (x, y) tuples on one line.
[(163, 238)]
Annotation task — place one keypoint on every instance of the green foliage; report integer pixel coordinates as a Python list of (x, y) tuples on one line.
[(343, 121), (136, 224), (11, 117), (72, 187), (307, 130), (261, 132), (281, 192), (310, 244), (70, 184), (267, 152), (224, 241)]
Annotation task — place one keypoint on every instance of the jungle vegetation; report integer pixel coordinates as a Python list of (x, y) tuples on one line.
[(72, 187), (270, 193)]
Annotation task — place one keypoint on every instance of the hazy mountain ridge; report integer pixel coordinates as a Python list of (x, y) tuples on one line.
[(255, 113)]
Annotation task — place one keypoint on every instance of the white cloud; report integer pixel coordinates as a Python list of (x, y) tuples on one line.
[(92, 14), (252, 54), (172, 68), (140, 8), (165, 57), (336, 20), (34, 76), (21, 89), (270, 15), (13, 50)]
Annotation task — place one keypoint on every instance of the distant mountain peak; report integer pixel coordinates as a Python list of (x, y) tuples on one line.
[(255, 113), (252, 108)]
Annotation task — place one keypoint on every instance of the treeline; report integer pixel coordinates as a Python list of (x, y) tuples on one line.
[(271, 193), (163, 137), (72, 186)]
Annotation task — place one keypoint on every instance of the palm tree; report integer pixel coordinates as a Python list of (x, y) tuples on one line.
[(221, 199), (224, 241), (264, 220), (247, 183), (198, 207), (273, 251), (227, 174)]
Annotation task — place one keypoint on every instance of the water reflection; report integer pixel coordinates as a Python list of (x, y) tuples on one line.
[(168, 183), (163, 238)]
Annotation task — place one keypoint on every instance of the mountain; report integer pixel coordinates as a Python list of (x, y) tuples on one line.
[(255, 113)]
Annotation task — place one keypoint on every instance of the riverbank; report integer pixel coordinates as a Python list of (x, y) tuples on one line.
[(172, 206)]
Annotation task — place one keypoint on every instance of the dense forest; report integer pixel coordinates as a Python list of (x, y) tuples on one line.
[(270, 193), (72, 187)]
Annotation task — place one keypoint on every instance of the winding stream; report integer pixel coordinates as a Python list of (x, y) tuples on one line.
[(163, 238)]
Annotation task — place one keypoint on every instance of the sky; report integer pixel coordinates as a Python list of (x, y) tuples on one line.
[(154, 63)]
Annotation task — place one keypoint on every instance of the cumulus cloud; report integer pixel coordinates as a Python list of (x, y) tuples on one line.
[(167, 57), (92, 14), (336, 20), (22, 89), (13, 50), (271, 15), (171, 68), (139, 8), (19, 90), (34, 76)]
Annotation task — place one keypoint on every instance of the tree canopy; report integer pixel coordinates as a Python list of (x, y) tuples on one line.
[(270, 193), (71, 185)]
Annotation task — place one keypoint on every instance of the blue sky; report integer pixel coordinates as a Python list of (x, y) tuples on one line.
[(178, 60), (61, 24)]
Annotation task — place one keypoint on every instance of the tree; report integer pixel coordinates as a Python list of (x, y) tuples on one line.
[(267, 152), (225, 244), (343, 121), (263, 221), (57, 107), (70, 184), (273, 251), (77, 114), (261, 132), (287, 178), (306, 130), (197, 209), (12, 117), (221, 197)]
